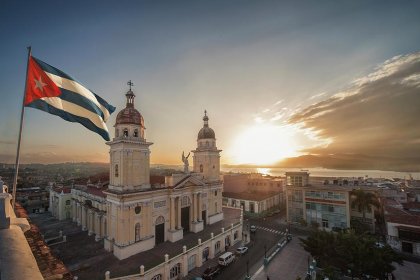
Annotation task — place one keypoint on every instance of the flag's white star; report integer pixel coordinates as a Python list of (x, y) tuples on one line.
[(39, 84)]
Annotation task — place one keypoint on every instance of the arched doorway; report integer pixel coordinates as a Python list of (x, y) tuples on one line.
[(185, 213), (160, 230)]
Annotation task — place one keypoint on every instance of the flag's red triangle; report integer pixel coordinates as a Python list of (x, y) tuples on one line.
[(38, 84)]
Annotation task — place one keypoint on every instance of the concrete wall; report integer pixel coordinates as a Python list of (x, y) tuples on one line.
[(16, 259)]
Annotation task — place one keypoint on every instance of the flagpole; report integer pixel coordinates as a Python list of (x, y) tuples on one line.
[(20, 132)]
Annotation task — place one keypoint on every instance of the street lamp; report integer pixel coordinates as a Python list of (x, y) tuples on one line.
[(247, 277), (265, 255)]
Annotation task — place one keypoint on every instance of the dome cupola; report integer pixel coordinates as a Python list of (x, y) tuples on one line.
[(130, 115), (206, 132)]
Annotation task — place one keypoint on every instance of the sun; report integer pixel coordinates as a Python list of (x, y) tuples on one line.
[(264, 144)]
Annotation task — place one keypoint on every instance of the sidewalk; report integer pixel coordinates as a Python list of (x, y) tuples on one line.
[(288, 264)]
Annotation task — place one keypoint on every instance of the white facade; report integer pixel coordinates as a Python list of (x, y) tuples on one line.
[(139, 216)]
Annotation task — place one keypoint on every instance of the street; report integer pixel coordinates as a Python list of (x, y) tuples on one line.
[(269, 232)]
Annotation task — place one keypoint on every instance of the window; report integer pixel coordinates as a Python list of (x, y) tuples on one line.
[(116, 170), (125, 132), (201, 168), (137, 209), (137, 232), (325, 223), (67, 202), (215, 193), (157, 277), (136, 133), (175, 271), (217, 247)]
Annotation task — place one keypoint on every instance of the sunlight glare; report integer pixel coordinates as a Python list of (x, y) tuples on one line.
[(264, 144)]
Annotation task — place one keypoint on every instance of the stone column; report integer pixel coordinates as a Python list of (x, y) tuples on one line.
[(179, 213), (172, 213), (78, 214), (198, 207), (194, 205), (84, 218), (73, 211)]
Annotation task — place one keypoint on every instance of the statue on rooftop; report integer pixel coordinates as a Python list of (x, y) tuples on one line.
[(185, 161)]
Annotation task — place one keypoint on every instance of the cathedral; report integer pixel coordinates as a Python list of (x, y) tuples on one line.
[(132, 214)]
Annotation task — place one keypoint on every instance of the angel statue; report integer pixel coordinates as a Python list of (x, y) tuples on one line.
[(185, 161)]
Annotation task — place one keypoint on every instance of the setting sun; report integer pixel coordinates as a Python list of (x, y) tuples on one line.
[(264, 144)]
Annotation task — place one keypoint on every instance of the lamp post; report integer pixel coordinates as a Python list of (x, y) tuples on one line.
[(265, 255), (247, 277)]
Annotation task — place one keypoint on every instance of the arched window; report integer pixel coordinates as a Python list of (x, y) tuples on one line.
[(175, 271), (136, 133), (137, 232), (157, 277), (201, 168), (116, 170), (125, 132), (217, 247), (160, 220), (137, 209)]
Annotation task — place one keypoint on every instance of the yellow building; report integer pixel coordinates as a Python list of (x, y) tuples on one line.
[(131, 214)]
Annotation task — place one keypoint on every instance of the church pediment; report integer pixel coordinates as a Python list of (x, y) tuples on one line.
[(188, 181)]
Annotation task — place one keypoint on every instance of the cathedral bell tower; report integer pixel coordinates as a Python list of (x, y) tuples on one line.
[(206, 159), (129, 151)]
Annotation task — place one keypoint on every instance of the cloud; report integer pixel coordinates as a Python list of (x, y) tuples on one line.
[(317, 95), (378, 115)]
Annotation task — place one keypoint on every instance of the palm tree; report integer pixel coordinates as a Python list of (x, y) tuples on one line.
[(363, 201)]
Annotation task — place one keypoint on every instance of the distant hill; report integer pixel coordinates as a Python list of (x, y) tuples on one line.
[(345, 161)]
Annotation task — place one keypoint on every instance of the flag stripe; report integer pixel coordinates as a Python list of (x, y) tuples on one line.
[(51, 69), (72, 113), (109, 107), (77, 88), (81, 101)]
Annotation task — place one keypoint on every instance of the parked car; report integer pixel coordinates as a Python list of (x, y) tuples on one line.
[(226, 259), (211, 272), (253, 228), (242, 250)]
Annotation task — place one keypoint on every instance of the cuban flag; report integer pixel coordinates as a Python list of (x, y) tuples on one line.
[(51, 90)]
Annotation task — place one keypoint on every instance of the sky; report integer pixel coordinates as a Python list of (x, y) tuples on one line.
[(278, 78)]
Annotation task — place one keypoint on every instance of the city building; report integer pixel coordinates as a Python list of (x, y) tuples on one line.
[(132, 214), (254, 192), (326, 206), (253, 202), (403, 226)]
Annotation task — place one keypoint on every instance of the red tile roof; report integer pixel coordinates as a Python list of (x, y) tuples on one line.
[(96, 191), (49, 265), (401, 216), (62, 189)]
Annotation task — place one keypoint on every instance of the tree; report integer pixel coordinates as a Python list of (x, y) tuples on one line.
[(350, 252), (363, 201)]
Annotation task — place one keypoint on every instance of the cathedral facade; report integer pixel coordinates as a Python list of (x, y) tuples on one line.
[(134, 215)]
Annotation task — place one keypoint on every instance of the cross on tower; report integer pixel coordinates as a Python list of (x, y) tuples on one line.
[(130, 83)]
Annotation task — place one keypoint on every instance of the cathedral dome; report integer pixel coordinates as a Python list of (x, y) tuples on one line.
[(129, 115), (206, 132)]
